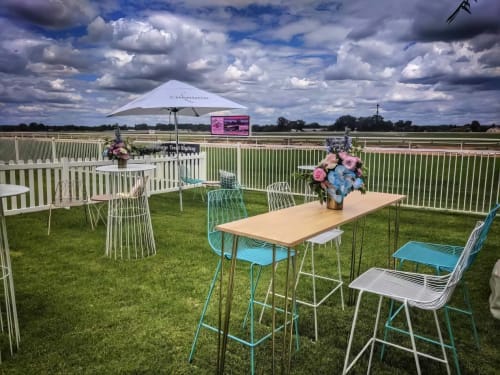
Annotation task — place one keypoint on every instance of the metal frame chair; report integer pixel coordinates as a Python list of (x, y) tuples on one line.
[(279, 195), (442, 258), (186, 179), (228, 180), (226, 205), (96, 203), (66, 195), (421, 291)]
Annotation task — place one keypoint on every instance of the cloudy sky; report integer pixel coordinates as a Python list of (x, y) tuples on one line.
[(74, 61)]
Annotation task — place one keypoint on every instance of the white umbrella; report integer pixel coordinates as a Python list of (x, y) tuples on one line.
[(177, 98)]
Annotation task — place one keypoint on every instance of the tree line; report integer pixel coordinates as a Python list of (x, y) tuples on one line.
[(375, 123)]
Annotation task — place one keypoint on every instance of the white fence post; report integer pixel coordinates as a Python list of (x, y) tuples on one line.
[(238, 162), (16, 148), (54, 154)]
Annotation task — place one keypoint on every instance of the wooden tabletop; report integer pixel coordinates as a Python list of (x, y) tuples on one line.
[(291, 226)]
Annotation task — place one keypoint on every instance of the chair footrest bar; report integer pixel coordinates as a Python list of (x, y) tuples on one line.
[(410, 350), (245, 342), (310, 304), (320, 277), (406, 349), (457, 309), (420, 337)]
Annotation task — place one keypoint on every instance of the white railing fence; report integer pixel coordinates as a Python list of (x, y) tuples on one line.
[(68, 180), (21, 149), (461, 181), (452, 180)]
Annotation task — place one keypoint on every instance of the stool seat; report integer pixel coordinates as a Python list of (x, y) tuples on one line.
[(325, 237), (101, 197)]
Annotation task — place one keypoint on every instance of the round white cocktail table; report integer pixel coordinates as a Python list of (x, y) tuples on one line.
[(7, 190), (129, 232)]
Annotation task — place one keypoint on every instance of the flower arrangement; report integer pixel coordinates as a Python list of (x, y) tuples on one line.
[(117, 149), (339, 173)]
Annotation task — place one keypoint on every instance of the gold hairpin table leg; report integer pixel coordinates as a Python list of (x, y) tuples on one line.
[(221, 356)]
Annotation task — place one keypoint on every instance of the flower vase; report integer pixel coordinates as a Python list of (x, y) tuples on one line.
[(336, 203), (122, 163)]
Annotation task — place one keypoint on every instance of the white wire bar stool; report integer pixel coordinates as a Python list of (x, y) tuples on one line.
[(9, 323), (421, 291), (279, 196)]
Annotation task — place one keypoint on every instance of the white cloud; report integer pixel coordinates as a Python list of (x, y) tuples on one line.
[(119, 58), (238, 72), (30, 108), (415, 93), (301, 83), (265, 111), (57, 84), (51, 69)]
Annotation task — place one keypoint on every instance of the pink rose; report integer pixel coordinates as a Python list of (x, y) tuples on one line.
[(319, 174), (330, 161), (350, 162), (343, 155)]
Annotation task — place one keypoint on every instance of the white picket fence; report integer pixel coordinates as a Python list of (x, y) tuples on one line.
[(77, 180)]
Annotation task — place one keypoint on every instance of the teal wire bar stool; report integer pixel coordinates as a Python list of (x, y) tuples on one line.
[(226, 205), (443, 258)]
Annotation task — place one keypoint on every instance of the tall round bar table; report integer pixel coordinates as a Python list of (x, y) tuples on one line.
[(10, 314), (129, 229)]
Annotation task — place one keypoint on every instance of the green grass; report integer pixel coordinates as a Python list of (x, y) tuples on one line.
[(82, 313)]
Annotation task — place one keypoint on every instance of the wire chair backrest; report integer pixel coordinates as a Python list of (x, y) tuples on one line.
[(136, 191), (224, 206), (445, 285), (185, 174), (279, 195), (484, 233), (228, 180), (467, 253), (182, 172)]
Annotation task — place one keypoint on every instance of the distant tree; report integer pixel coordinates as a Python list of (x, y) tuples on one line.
[(282, 124), (165, 127), (343, 122), (34, 127), (475, 126), (141, 127), (399, 125), (299, 125)]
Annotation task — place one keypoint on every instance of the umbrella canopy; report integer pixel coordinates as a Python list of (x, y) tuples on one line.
[(178, 98)]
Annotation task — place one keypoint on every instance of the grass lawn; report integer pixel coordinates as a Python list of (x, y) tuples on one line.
[(82, 313)]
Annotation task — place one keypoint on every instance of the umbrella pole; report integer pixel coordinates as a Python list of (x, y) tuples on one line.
[(177, 158)]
